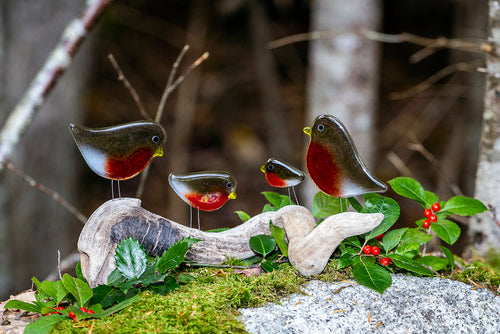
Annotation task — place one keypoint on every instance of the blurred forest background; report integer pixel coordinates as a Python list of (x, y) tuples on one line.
[(244, 104)]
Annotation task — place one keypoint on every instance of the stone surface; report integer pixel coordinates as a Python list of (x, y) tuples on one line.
[(410, 305)]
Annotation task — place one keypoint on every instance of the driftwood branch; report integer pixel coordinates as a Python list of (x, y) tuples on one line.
[(309, 247), (58, 62)]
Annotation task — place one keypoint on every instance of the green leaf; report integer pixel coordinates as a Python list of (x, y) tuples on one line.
[(185, 278), (324, 205), (408, 250), (18, 304), (393, 238), (78, 271), (43, 325), (130, 258), (273, 198), (430, 198), (268, 208), (169, 285), (279, 236), (372, 275), (102, 294), (436, 263), (243, 216), (446, 230), (355, 204), (409, 264), (218, 230), (346, 259), (116, 278), (269, 266), (375, 203), (175, 255), (410, 188), (78, 288), (118, 307), (449, 256), (262, 244), (414, 235), (464, 206), (56, 290)]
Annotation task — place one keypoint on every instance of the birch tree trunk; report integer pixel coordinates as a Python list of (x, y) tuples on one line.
[(484, 231), (343, 72), (32, 225)]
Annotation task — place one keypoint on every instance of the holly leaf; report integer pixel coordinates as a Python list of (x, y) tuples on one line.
[(279, 236), (174, 256), (449, 256), (78, 288), (393, 238), (410, 188), (464, 206), (375, 203), (409, 265), (262, 244), (446, 230), (371, 275), (324, 205), (130, 258)]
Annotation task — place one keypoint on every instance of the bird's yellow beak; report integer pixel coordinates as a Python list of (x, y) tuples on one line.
[(232, 195), (307, 130), (158, 152), (263, 168)]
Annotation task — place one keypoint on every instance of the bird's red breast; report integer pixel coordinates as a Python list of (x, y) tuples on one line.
[(323, 169), (274, 180), (124, 168), (207, 202)]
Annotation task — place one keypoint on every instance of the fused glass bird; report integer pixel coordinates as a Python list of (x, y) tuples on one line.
[(119, 152), (206, 191), (281, 174), (333, 163)]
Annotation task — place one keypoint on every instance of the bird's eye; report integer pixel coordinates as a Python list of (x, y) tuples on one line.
[(321, 127), (229, 185), (270, 167), (155, 139)]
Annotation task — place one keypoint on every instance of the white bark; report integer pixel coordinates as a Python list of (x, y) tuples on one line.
[(484, 233)]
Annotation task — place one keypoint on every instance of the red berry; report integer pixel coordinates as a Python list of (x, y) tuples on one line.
[(90, 311), (436, 207), (433, 218), (385, 261), (427, 212), (367, 249), (375, 250), (72, 315), (426, 223), (379, 237)]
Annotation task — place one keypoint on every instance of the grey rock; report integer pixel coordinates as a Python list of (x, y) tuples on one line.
[(410, 305)]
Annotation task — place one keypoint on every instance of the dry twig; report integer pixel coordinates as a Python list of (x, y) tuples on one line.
[(128, 85), (55, 195), (60, 59), (170, 87)]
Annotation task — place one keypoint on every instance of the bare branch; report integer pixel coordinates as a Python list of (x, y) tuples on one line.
[(442, 73), (168, 90), (470, 45), (55, 195), (128, 85), (60, 59)]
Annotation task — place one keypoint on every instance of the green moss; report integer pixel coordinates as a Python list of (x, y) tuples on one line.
[(209, 304)]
